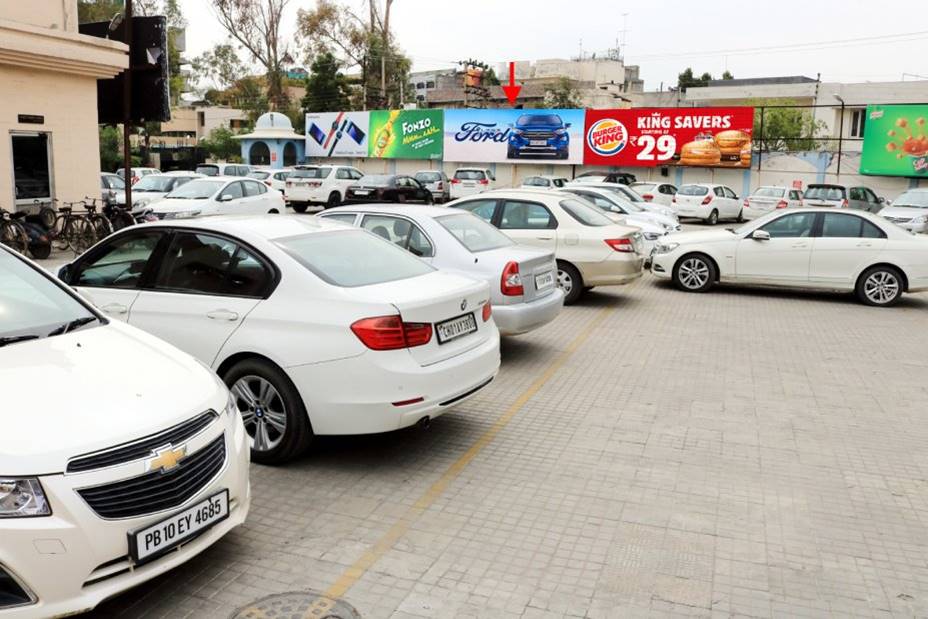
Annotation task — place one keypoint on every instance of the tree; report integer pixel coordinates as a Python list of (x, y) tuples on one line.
[(727, 75), (250, 95), (326, 86), (255, 24), (219, 67), (562, 96), (110, 148), (786, 129), (489, 78), (687, 79), (221, 144)]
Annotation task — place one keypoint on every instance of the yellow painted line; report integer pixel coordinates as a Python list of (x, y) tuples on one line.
[(354, 573)]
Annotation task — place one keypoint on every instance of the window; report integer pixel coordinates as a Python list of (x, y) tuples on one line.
[(474, 233), (692, 190), (418, 244), (825, 192), (585, 214), (428, 177), (857, 193), (858, 119), (420, 85), (559, 182), (247, 277), (119, 264), (253, 189), (356, 174), (871, 197), (311, 173), (197, 263), (470, 175), (794, 195), (201, 119), (535, 181), (729, 193), (31, 174), (345, 218), (667, 189), (232, 191), (518, 215), (719, 191), (430, 84), (399, 231), (483, 209), (342, 174), (259, 154), (797, 225), (839, 225)]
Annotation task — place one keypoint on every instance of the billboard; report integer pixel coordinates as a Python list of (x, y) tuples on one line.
[(337, 134), (895, 141), (645, 137), (513, 136), (405, 134)]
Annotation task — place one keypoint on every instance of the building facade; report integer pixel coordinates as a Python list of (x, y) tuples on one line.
[(273, 143)]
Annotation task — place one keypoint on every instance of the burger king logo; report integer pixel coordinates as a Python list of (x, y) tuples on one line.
[(606, 137)]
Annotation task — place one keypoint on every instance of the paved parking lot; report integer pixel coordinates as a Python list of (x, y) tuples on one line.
[(650, 453)]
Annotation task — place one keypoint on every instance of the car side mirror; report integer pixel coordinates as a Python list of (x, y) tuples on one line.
[(881, 200), (760, 235), (566, 125), (64, 273), (225, 197)]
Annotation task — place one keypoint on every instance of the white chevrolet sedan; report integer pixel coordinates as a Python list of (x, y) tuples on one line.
[(127, 457), (317, 327), (808, 248), (218, 195), (522, 280)]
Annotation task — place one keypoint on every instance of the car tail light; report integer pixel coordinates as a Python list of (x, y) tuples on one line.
[(455, 181), (707, 200), (315, 184), (483, 181), (844, 203), (510, 284), (440, 186), (746, 204), (782, 204), (391, 333), (622, 245), (647, 197), (487, 311), (289, 183)]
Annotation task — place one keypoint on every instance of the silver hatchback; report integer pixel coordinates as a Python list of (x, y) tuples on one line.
[(435, 181)]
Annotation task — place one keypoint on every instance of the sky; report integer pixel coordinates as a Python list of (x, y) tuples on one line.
[(849, 41)]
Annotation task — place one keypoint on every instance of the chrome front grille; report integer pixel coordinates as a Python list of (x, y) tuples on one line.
[(538, 135)]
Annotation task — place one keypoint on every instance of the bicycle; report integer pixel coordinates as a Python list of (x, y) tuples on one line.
[(102, 226), (119, 217), (12, 233), (71, 230)]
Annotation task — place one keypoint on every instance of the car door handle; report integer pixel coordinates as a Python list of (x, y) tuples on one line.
[(800, 244), (115, 308), (544, 238), (222, 314), (865, 244)]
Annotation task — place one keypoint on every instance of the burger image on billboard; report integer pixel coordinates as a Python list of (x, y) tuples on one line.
[(539, 136), (607, 137), (731, 141), (701, 152)]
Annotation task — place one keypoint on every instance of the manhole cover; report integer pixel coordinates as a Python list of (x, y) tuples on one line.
[(297, 605)]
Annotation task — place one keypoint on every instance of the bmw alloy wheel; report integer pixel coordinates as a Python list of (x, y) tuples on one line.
[(262, 410), (881, 287), (694, 273)]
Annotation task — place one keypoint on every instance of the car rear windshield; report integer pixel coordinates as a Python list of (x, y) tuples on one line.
[(535, 181), (196, 190), (644, 186), (428, 177), (474, 233), (154, 182), (311, 173), (469, 175), (208, 170), (769, 192), (825, 192), (259, 175), (917, 199), (692, 190), (377, 180), (586, 214), (353, 258)]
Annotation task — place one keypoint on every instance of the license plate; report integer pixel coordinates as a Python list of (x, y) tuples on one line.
[(544, 280), (455, 328), (360, 192), (537, 142), (154, 540)]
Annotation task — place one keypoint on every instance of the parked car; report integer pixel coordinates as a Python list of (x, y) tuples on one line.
[(522, 280), (437, 182), (320, 186), (218, 196), (809, 248), (539, 135), (657, 193), (769, 198), (224, 169), (124, 439), (599, 176), (544, 181), (591, 249), (615, 203), (630, 195), (275, 179), (468, 181), (155, 186), (839, 196), (136, 173), (708, 202), (910, 210), (317, 327), (112, 189), (388, 188)]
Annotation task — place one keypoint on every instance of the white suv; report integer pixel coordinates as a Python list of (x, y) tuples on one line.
[(320, 186), (468, 181)]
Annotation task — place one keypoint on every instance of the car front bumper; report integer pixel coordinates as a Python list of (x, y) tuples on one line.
[(74, 559), (662, 265), (524, 317)]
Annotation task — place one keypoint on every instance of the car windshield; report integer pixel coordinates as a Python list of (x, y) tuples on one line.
[(377, 180), (469, 175), (474, 233), (33, 306), (311, 173), (825, 192), (769, 192), (208, 170), (692, 190), (535, 181), (622, 199), (585, 213), (353, 258), (154, 182), (539, 119), (428, 177), (116, 182), (196, 190), (259, 175), (915, 199)]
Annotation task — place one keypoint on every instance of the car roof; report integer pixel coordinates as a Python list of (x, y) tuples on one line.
[(255, 228), (413, 210), (472, 168), (181, 173), (523, 192)]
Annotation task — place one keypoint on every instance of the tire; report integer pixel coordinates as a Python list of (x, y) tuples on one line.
[(880, 286), (401, 198), (13, 236), (429, 199), (286, 432), (333, 201), (102, 227), (713, 218), (122, 219), (60, 239), (273, 211), (40, 251), (80, 234), (570, 281), (694, 273), (299, 207), (48, 217)]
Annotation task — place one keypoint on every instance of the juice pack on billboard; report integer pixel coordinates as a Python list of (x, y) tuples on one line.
[(895, 141)]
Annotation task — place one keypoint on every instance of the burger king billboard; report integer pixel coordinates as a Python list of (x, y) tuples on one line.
[(646, 137)]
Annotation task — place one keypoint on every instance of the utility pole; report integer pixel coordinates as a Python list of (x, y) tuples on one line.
[(127, 109)]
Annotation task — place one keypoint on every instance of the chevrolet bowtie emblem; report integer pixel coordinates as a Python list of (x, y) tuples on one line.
[(167, 458)]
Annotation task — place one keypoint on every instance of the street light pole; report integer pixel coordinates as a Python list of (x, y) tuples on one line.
[(840, 133), (127, 110)]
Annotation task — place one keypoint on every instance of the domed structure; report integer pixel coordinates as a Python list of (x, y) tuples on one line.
[(273, 143)]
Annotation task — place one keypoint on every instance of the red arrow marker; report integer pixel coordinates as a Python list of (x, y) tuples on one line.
[(512, 91)]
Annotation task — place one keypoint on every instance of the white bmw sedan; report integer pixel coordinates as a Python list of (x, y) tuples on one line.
[(808, 248), (522, 280), (218, 195), (126, 457), (317, 327)]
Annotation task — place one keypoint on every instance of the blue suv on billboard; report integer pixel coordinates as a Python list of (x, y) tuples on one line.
[(539, 136)]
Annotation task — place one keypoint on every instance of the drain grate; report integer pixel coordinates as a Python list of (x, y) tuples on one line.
[(297, 605)]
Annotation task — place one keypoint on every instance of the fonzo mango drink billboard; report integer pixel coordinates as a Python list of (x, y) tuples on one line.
[(405, 134), (895, 141)]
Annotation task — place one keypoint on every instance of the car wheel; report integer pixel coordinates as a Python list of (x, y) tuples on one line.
[(713, 218), (429, 199), (273, 211), (334, 200), (40, 251), (740, 216), (272, 410), (694, 273), (570, 281), (401, 197), (880, 286), (299, 208)]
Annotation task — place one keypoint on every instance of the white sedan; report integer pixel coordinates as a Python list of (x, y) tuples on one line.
[(629, 194), (218, 195), (128, 459), (808, 248), (317, 327), (522, 280), (616, 203)]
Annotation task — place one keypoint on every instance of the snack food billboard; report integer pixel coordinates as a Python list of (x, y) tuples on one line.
[(405, 134), (895, 141), (645, 137), (513, 136), (337, 134)]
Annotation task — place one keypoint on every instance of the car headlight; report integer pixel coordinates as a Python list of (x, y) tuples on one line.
[(22, 498), (665, 248), (560, 131), (182, 215), (921, 219)]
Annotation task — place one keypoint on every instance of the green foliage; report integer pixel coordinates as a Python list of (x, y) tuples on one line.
[(110, 148), (490, 78), (250, 95), (687, 79), (562, 96), (218, 67), (727, 75), (221, 145), (784, 128), (97, 10), (326, 87)]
